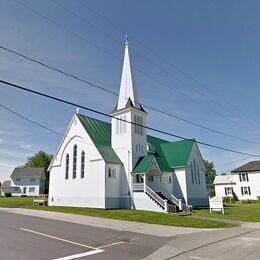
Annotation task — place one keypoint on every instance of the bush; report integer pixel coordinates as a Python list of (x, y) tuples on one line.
[(23, 195), (258, 198), (249, 201), (8, 194)]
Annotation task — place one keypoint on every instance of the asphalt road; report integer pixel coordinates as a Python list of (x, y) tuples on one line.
[(24, 237)]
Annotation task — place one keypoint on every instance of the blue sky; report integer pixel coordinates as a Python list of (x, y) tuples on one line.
[(215, 42)]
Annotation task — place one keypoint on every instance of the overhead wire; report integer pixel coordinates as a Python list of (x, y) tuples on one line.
[(175, 67), (16, 86), (118, 59), (117, 95)]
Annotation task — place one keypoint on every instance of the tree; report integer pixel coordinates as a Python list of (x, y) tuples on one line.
[(210, 172), (41, 159)]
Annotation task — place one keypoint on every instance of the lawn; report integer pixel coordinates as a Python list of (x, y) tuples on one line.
[(15, 201), (129, 215), (235, 211)]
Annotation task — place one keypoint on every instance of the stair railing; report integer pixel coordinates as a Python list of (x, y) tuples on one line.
[(163, 203), (177, 202)]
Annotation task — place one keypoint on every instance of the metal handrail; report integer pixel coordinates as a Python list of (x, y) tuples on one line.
[(175, 200), (155, 196)]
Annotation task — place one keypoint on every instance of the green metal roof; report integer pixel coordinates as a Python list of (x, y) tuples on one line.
[(177, 153), (167, 154), (170, 155), (100, 134), (143, 164)]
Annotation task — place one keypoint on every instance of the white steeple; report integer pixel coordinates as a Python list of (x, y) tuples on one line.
[(127, 86)]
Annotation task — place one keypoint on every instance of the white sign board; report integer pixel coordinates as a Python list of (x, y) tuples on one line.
[(216, 204)]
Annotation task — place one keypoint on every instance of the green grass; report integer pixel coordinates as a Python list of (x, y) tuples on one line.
[(129, 215), (235, 211), (15, 201), (140, 216)]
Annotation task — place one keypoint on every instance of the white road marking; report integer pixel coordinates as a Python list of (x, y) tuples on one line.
[(57, 238), (93, 252), (113, 244)]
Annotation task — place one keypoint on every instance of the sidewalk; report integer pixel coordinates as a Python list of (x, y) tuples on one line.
[(121, 225)]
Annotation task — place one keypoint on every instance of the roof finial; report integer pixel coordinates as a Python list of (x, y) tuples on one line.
[(77, 110), (126, 39)]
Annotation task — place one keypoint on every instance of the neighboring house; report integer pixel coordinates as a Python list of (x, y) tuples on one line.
[(117, 165), (243, 181), (6, 187), (26, 181)]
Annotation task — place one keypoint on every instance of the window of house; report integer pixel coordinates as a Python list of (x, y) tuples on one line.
[(198, 172), (138, 125), (16, 189), (17, 179), (228, 191), (150, 178), (67, 167), (139, 179), (82, 168), (31, 189), (195, 171), (141, 128), (170, 179), (74, 170), (192, 176), (243, 177), (135, 121), (111, 173), (32, 180), (245, 190)]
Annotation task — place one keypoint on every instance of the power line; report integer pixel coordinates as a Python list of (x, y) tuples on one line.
[(118, 28), (38, 124), (123, 120), (67, 30), (241, 160), (115, 94), (66, 136), (117, 58)]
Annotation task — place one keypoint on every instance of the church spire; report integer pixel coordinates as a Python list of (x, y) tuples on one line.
[(127, 86)]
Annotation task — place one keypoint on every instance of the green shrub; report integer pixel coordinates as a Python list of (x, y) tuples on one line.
[(258, 198), (8, 194), (249, 201)]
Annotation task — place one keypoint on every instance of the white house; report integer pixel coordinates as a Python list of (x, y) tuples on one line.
[(25, 181), (118, 165), (244, 181)]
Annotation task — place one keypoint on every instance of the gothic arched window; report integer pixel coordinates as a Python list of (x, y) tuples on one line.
[(74, 170), (67, 166), (82, 169)]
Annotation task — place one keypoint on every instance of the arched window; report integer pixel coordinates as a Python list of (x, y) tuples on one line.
[(198, 172), (135, 121), (192, 176), (141, 128), (195, 171), (67, 166), (74, 171), (138, 123), (82, 168)]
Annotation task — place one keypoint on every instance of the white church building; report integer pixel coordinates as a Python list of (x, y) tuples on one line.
[(117, 165)]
